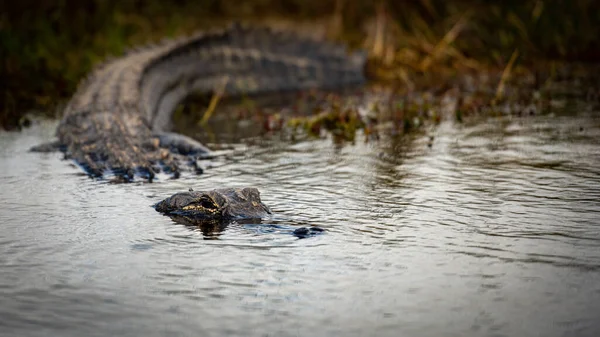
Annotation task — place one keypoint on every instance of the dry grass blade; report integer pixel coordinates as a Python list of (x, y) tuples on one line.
[(214, 101), (336, 23), (450, 36), (379, 39), (403, 75), (537, 11), (506, 75)]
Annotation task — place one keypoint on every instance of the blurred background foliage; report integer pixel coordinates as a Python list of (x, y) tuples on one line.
[(47, 46)]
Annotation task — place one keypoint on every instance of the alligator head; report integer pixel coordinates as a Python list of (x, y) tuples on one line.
[(228, 203)]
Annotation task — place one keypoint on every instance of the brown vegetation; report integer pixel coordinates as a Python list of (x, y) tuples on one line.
[(48, 45)]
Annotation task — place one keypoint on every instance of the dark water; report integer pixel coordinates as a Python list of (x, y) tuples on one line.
[(493, 231)]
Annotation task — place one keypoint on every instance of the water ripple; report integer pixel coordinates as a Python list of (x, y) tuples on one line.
[(495, 224)]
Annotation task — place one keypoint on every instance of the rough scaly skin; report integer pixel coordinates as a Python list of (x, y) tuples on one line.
[(220, 204), (114, 121)]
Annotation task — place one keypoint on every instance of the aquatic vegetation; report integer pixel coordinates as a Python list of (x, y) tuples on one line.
[(426, 45)]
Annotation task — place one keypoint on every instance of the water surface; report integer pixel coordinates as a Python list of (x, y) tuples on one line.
[(493, 230)]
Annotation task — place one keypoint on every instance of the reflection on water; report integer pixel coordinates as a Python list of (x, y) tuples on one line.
[(212, 229), (493, 230)]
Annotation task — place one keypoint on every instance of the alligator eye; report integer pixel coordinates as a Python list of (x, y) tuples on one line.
[(208, 204)]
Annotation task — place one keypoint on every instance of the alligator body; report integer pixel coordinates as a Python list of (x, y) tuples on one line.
[(117, 120)]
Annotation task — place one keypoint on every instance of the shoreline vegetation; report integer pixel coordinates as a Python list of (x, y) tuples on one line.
[(434, 48)]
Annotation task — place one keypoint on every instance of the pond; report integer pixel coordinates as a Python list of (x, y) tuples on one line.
[(488, 227)]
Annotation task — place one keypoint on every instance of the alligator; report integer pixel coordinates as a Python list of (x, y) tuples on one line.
[(212, 210), (227, 203), (117, 121)]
